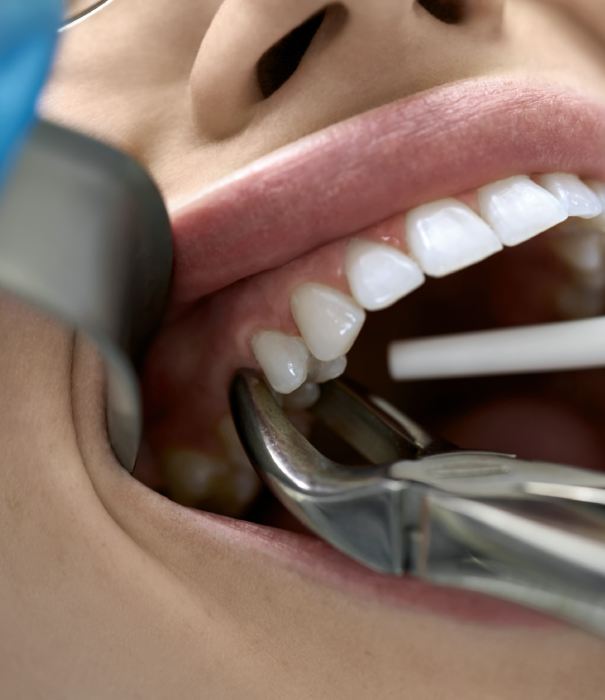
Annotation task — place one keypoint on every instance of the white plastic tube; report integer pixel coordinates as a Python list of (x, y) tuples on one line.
[(539, 348)]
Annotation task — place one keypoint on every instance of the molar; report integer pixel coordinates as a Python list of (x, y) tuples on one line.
[(576, 197), (518, 209), (447, 235), (328, 320), (284, 359), (199, 480), (379, 275)]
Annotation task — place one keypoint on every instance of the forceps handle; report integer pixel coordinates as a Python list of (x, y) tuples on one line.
[(548, 555)]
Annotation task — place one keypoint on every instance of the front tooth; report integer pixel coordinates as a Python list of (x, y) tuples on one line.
[(379, 275), (328, 320), (518, 209), (284, 359), (320, 372), (576, 197), (446, 236)]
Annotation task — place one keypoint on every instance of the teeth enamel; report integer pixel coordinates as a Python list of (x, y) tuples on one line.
[(443, 237), (379, 275), (302, 398), (328, 320), (599, 189), (320, 372), (284, 359), (518, 209), (576, 197), (446, 236)]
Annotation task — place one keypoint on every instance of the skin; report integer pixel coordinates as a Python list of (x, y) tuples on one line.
[(108, 589)]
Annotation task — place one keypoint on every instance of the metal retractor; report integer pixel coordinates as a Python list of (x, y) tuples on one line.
[(85, 236)]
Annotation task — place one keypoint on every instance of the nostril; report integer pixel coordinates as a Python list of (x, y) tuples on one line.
[(448, 11), (279, 63)]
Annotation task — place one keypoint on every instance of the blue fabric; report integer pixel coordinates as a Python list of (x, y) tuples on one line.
[(28, 30)]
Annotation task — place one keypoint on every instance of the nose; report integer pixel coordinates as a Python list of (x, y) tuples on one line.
[(264, 58)]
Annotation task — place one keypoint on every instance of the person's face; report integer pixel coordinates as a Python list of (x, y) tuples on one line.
[(196, 90)]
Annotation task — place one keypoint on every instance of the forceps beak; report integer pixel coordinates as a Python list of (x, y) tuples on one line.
[(356, 509)]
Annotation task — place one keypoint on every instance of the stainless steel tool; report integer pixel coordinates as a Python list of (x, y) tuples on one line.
[(528, 532)]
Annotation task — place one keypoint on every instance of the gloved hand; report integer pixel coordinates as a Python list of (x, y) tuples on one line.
[(28, 30)]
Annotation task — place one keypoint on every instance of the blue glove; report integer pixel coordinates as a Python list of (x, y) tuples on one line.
[(28, 30)]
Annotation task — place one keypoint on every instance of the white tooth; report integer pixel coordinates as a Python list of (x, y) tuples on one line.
[(446, 236), (283, 358), (576, 197), (599, 189), (320, 372), (379, 275), (328, 320), (302, 398), (518, 209)]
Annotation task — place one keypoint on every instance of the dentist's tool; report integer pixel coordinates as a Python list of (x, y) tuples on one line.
[(528, 532), (540, 348)]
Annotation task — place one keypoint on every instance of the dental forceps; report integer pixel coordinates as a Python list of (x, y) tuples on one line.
[(528, 532)]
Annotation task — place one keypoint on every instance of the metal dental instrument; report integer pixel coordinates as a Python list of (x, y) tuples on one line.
[(528, 532), (84, 235), (567, 345)]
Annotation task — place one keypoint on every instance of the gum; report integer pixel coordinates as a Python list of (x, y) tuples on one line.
[(184, 400)]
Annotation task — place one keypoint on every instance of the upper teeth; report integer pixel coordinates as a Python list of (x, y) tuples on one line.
[(442, 237), (518, 209), (379, 274), (446, 236), (329, 321)]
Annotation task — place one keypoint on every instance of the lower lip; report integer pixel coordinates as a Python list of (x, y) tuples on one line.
[(319, 563)]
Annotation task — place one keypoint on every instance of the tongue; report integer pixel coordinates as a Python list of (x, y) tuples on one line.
[(532, 429)]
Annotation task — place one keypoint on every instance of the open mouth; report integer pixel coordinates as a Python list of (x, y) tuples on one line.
[(472, 206)]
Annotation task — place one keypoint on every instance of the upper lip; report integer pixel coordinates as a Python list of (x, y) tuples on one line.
[(359, 172)]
